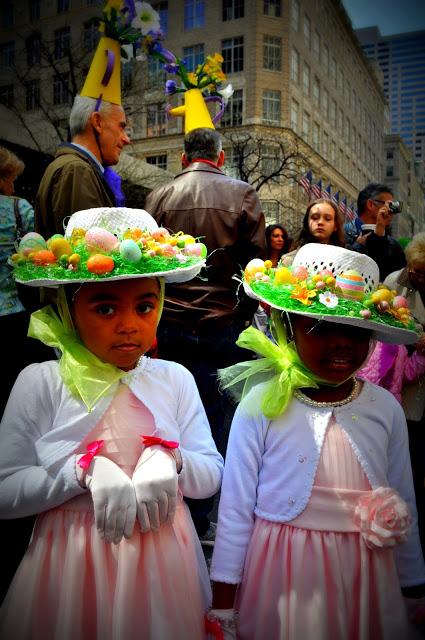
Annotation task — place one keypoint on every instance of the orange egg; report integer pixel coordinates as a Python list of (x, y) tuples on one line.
[(43, 257), (99, 264)]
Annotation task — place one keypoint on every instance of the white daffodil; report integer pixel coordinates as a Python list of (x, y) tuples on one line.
[(226, 93), (147, 19)]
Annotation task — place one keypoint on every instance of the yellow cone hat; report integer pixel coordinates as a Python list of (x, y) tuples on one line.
[(194, 110), (104, 76)]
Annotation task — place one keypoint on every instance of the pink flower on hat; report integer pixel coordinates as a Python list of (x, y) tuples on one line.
[(383, 518)]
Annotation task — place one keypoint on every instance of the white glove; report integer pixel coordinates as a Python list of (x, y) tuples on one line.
[(155, 484), (228, 620), (113, 497)]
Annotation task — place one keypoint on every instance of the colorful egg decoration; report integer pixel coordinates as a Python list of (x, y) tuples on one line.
[(351, 284), (130, 251), (100, 264), (30, 242), (98, 239)]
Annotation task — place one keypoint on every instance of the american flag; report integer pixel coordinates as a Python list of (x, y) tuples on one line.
[(305, 181), (326, 193), (343, 206), (317, 189), (335, 198), (350, 213)]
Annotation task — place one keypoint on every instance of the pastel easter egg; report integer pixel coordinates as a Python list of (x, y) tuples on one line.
[(193, 250), (326, 273), (380, 295), (283, 275), (254, 266), (98, 239), (399, 302), (31, 241), (74, 261), (130, 251), (351, 284), (300, 272), (161, 234), (60, 247), (100, 264), (168, 249), (185, 239), (365, 313), (204, 249), (43, 257)]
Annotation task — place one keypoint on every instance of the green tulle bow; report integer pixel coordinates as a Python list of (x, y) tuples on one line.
[(84, 374), (279, 371)]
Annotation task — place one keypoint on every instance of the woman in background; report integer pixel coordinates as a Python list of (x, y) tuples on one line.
[(277, 241)]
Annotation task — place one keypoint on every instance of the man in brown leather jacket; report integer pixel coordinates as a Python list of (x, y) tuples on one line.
[(203, 318)]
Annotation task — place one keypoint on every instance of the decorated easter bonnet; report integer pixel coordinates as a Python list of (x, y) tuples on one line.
[(334, 284), (324, 282), (107, 243)]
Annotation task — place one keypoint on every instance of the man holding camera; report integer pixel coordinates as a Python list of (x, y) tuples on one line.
[(376, 210)]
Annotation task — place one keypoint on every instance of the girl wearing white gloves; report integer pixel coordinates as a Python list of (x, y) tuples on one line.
[(104, 443)]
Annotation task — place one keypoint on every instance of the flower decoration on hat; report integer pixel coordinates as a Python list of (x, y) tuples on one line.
[(324, 287)]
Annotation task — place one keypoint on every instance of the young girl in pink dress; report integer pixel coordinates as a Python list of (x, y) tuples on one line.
[(317, 534), (104, 443)]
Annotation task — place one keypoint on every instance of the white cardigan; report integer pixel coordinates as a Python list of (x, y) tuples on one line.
[(43, 425), (271, 465)]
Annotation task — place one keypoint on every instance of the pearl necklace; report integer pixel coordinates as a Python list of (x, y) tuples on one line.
[(299, 395)]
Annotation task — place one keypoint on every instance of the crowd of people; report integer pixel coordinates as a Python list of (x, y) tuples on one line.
[(188, 355)]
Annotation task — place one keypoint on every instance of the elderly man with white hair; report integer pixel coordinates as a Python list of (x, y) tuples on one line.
[(75, 179)]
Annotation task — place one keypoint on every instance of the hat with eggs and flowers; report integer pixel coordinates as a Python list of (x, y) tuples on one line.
[(107, 243), (334, 284)]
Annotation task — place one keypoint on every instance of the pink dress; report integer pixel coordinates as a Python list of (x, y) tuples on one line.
[(315, 577), (73, 585)]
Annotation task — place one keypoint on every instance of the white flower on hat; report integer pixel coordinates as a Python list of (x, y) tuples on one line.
[(147, 19), (226, 93), (330, 300)]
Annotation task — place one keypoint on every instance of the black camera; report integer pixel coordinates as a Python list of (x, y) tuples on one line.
[(395, 206)]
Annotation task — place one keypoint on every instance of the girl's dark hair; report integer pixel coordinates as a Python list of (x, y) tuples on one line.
[(269, 230), (338, 236)]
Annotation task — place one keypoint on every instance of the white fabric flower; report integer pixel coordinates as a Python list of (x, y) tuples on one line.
[(383, 518), (147, 19), (330, 300), (226, 93)]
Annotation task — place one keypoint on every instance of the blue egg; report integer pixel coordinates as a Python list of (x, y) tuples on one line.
[(130, 251)]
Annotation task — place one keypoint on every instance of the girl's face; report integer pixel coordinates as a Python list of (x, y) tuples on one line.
[(277, 240), (117, 320), (321, 222), (331, 350)]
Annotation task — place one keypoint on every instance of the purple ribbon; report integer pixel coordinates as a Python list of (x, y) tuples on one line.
[(109, 67), (223, 106)]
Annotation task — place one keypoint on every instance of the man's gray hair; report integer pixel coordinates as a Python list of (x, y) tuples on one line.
[(81, 111), (202, 143)]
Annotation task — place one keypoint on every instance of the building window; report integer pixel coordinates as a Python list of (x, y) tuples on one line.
[(305, 131), (271, 210), (316, 45), (316, 92), (294, 115), (390, 155), (295, 66), (271, 107), (316, 136), (272, 53), (7, 15), (62, 40), (295, 15), (332, 114), (156, 75), (307, 32), (91, 36), (158, 161), (194, 14), (233, 9), (193, 56), (272, 8), (325, 103), (340, 123), (32, 97), (232, 52), (306, 79), (7, 95), (156, 120), (333, 152), (62, 6), (325, 145), (390, 172), (270, 161), (333, 72), (232, 116), (326, 59), (7, 54), (162, 9), (34, 10), (61, 93), (127, 75), (33, 49)]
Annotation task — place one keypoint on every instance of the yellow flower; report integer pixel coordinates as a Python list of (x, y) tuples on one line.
[(112, 4), (192, 78), (303, 294)]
